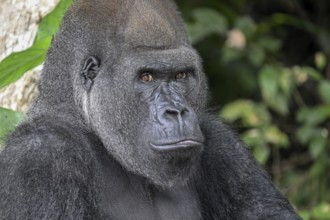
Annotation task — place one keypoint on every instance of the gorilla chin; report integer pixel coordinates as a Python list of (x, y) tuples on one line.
[(171, 163), (177, 163)]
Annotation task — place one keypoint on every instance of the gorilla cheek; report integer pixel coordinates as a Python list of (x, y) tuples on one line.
[(115, 123)]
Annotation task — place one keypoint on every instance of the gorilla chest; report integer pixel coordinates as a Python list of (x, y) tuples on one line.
[(136, 203)]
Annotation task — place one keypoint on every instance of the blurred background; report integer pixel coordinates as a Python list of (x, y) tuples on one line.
[(269, 76)]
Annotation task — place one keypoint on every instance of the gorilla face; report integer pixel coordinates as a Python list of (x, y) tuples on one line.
[(144, 109), (139, 84)]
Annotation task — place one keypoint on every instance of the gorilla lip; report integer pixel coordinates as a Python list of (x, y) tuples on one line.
[(180, 145)]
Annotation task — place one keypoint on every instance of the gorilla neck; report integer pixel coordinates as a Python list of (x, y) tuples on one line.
[(145, 200)]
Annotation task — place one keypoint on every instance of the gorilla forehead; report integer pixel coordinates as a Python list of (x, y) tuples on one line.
[(133, 23), (147, 27)]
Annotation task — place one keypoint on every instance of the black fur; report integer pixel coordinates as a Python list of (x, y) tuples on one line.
[(120, 129)]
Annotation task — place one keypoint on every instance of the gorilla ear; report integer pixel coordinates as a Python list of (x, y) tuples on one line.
[(89, 71)]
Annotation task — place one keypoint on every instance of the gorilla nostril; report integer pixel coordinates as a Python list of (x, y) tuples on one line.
[(172, 112), (176, 113), (184, 112)]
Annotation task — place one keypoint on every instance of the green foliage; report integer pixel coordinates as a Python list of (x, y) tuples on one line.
[(202, 27), (9, 120), (260, 131), (276, 86), (282, 109), (16, 64)]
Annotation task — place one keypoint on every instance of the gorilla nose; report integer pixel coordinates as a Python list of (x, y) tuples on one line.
[(178, 122), (176, 114)]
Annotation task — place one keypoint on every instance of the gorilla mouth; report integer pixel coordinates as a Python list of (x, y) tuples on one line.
[(177, 146)]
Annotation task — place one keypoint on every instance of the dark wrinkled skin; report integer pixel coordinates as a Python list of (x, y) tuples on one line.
[(101, 142)]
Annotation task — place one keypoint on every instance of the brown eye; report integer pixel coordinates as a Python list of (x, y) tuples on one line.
[(180, 75), (146, 77)]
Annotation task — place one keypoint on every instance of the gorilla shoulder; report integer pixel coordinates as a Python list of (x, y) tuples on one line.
[(46, 162)]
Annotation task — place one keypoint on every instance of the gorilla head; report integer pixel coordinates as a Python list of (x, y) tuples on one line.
[(136, 81)]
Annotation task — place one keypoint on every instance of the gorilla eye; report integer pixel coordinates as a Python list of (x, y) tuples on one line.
[(180, 75), (146, 77)]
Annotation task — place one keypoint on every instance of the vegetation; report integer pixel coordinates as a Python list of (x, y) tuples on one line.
[(268, 68)]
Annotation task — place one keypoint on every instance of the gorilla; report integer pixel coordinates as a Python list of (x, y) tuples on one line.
[(120, 129)]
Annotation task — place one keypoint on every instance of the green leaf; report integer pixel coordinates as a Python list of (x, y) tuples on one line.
[(307, 134), (312, 73), (320, 60), (287, 82), (269, 81), (256, 55), (269, 43), (202, 27), (50, 24), (317, 146), (9, 120), (305, 214), (318, 168), (16, 64), (251, 114), (262, 153), (275, 136), (314, 116), (230, 54), (271, 88), (321, 212), (247, 25), (324, 90), (256, 141)]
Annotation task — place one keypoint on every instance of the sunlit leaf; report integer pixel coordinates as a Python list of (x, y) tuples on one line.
[(275, 136), (262, 154), (18, 63), (255, 139), (320, 60), (322, 211), (305, 214), (50, 24), (9, 120), (251, 114), (269, 81)]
